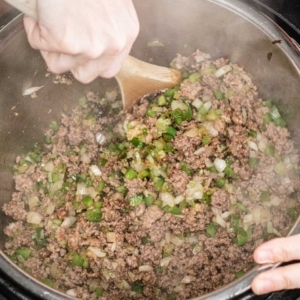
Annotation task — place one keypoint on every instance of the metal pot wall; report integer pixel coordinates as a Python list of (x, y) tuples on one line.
[(226, 28)]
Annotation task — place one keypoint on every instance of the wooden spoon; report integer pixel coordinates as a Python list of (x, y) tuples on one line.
[(136, 78)]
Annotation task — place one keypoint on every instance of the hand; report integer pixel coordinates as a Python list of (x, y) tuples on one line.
[(282, 278), (89, 38)]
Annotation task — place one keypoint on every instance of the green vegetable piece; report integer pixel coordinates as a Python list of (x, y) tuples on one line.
[(159, 183), (76, 205), (150, 113), (187, 115), (102, 161), (234, 222), (168, 250), (94, 215), (144, 174), (171, 297), (265, 196), (206, 140), (293, 213), (99, 292), (194, 77), (241, 207), (253, 162), (270, 150), (136, 200), (148, 200), (167, 137), (230, 173), (212, 169), (145, 240), (267, 118), (101, 186), (47, 139), (185, 74), (158, 203), (130, 174), (239, 274), (120, 147), (177, 115), (77, 260), (162, 101), (54, 126), (211, 230), (268, 103), (24, 252), (172, 210), (252, 133), (220, 183), (213, 115), (98, 205), (54, 177), (83, 102), (137, 143), (169, 93), (242, 237), (186, 168), (35, 157), (280, 122), (87, 201), (137, 287), (219, 95), (47, 282), (207, 197), (121, 189), (171, 131)]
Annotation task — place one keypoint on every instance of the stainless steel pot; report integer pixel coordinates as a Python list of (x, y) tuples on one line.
[(226, 28)]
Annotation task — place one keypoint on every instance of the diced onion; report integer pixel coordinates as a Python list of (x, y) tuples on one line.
[(138, 166), (197, 103), (198, 195), (220, 164), (179, 288), (223, 70), (193, 132), (34, 218), (145, 268), (207, 105), (226, 214), (32, 90), (178, 104), (96, 251), (252, 145), (49, 166), (199, 151), (81, 189), (33, 202), (111, 96), (244, 114), (56, 186), (210, 127), (113, 247), (168, 237), (269, 227), (253, 154), (192, 239), (92, 192), (176, 240), (164, 262), (246, 78), (167, 199), (100, 138), (275, 200), (50, 209), (179, 199), (71, 292), (96, 171), (187, 279), (111, 237), (68, 221), (84, 158), (262, 143), (208, 163), (220, 221)]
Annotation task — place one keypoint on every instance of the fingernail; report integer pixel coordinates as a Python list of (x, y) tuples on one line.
[(263, 286), (264, 256)]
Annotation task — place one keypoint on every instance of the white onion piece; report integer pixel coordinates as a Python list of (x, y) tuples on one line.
[(111, 96), (113, 247), (34, 217), (145, 268), (216, 211), (252, 145), (253, 154), (220, 164), (199, 58), (104, 285), (197, 103), (71, 292), (275, 200), (187, 279), (208, 163), (84, 158), (258, 136), (179, 288), (49, 166), (96, 251), (248, 218), (230, 132), (33, 202), (246, 78), (206, 98), (178, 104), (92, 192), (199, 151), (287, 161), (179, 199), (167, 199), (68, 221), (96, 171), (81, 189), (50, 209), (220, 221), (114, 265), (168, 237), (193, 132), (111, 237), (198, 195), (286, 180), (207, 105), (176, 240), (275, 231), (262, 143), (139, 167), (256, 213), (223, 70), (269, 227), (225, 214), (210, 127), (100, 138), (192, 239), (56, 186), (244, 114), (32, 90), (164, 262)]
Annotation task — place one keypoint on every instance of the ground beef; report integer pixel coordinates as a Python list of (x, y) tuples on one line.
[(144, 213)]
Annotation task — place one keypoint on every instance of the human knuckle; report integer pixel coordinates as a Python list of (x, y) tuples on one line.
[(288, 282), (81, 76), (117, 46)]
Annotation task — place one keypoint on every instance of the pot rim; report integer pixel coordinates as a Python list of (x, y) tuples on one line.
[(235, 288)]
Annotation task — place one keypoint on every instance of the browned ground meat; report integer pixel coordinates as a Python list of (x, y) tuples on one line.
[(137, 207)]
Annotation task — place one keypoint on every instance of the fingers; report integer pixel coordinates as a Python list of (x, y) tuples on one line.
[(278, 250), (277, 279)]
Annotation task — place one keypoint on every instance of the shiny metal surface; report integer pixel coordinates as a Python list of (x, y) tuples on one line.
[(225, 28)]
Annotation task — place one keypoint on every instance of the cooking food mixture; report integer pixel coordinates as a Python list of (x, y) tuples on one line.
[(166, 202)]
